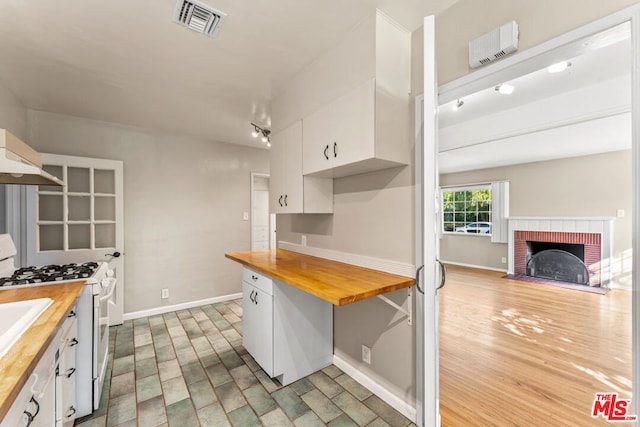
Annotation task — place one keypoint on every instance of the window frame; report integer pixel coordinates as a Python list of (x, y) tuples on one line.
[(461, 189)]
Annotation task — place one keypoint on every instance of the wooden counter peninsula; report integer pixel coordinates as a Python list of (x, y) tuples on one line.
[(335, 282), (287, 307)]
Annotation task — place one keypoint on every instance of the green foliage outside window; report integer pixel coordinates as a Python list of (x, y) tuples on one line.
[(460, 208)]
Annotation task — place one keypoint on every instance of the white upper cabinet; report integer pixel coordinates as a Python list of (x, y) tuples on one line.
[(365, 126), (340, 133), (289, 191)]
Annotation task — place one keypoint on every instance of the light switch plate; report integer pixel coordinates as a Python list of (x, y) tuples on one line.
[(245, 216)]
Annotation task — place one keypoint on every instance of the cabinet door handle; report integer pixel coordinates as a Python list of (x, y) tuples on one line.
[(251, 296), (71, 412), (255, 298), (326, 152), (73, 342), (280, 200), (443, 274), (72, 314), (335, 149), (33, 400), (254, 278), (70, 372), (285, 200), (29, 418)]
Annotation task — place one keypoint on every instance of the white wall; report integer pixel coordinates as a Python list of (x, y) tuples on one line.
[(13, 117), (13, 114), (183, 199)]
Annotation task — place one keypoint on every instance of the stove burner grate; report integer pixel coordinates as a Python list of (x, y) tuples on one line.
[(49, 273)]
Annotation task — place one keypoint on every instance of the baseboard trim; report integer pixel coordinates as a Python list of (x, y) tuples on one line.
[(388, 266), (393, 400), (480, 267), (182, 306)]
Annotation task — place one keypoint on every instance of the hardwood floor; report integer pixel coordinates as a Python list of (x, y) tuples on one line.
[(514, 353)]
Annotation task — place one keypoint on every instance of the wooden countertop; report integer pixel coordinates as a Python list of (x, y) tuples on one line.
[(332, 281), (16, 366)]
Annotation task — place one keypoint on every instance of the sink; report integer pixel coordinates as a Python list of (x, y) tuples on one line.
[(15, 319)]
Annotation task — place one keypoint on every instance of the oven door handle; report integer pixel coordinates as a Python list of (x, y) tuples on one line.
[(112, 285)]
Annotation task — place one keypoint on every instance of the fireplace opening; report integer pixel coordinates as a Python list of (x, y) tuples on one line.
[(557, 261)]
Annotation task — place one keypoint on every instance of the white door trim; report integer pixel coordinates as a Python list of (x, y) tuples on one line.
[(427, 387)]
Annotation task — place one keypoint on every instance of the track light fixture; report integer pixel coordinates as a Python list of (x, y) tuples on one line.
[(257, 131), (505, 89), (558, 67)]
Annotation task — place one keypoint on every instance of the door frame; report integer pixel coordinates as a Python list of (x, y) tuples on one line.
[(540, 56), (255, 175), (427, 246)]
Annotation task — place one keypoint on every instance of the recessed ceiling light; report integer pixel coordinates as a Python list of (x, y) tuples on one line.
[(505, 89), (559, 67)]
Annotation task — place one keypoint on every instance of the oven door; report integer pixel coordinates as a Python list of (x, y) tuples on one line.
[(101, 335)]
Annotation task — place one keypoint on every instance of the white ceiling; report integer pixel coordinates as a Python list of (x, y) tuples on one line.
[(583, 110), (125, 61)]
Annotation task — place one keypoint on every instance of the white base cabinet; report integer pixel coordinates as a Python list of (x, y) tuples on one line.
[(66, 375), (257, 320), (288, 332), (48, 398)]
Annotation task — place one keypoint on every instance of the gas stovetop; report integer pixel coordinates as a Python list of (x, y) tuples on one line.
[(49, 273)]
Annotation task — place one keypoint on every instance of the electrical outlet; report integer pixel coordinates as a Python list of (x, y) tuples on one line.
[(303, 240), (504, 260), (245, 216), (165, 293), (366, 354), (620, 213)]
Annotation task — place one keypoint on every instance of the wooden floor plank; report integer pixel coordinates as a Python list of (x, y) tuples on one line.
[(514, 353)]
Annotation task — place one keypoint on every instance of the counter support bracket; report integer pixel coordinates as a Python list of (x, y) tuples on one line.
[(408, 311)]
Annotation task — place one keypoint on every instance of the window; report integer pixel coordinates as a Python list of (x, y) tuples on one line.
[(467, 210)]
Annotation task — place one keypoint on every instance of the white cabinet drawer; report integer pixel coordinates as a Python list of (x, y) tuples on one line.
[(262, 282)]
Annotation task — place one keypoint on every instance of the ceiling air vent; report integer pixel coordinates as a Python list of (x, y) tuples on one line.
[(199, 17)]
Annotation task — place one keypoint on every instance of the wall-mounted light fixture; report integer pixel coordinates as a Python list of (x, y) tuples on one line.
[(258, 130)]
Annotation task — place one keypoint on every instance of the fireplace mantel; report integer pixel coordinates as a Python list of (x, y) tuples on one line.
[(597, 225)]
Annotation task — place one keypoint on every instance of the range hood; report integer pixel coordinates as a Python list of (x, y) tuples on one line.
[(21, 164)]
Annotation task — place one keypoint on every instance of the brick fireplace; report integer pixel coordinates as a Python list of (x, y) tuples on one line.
[(589, 242), (590, 239)]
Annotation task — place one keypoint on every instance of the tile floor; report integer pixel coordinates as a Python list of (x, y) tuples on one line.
[(188, 368)]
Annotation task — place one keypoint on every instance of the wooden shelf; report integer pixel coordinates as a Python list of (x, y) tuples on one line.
[(335, 282)]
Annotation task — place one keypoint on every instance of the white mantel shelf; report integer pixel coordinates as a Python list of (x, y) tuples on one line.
[(601, 225), (562, 218)]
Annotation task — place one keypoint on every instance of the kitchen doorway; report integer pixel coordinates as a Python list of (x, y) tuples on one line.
[(459, 160), (262, 222)]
